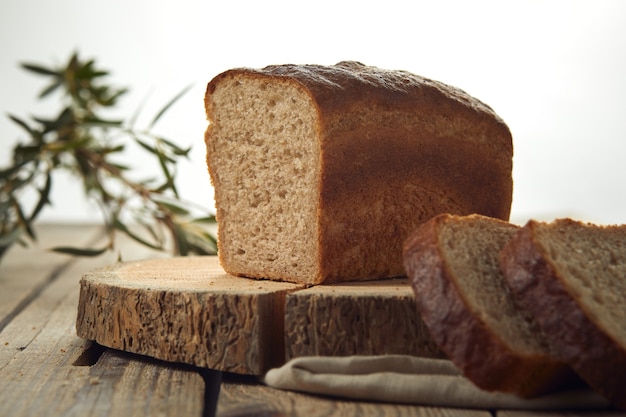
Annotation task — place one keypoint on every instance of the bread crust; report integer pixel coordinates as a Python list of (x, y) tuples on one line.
[(579, 340), (395, 150), (457, 328)]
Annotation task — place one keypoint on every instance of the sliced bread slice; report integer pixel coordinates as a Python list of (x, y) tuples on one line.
[(572, 277), (463, 298)]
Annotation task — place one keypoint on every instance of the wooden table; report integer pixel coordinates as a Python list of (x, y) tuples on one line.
[(46, 370)]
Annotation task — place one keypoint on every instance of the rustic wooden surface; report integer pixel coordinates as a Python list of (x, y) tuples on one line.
[(189, 310), (361, 318), (186, 309), (47, 370)]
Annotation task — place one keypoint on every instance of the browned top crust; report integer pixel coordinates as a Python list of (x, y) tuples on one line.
[(353, 82)]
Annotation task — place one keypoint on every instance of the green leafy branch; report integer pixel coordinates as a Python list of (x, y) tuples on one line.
[(83, 142)]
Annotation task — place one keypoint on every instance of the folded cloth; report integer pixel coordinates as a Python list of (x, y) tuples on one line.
[(410, 380)]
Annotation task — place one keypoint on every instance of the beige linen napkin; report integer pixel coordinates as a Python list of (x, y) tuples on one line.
[(410, 380)]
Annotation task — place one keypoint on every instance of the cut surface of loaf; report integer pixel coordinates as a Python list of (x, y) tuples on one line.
[(320, 172), (462, 296), (572, 276)]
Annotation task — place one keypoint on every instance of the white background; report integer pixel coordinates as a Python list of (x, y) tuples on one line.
[(555, 71)]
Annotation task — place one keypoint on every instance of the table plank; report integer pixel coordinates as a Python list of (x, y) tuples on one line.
[(45, 369), (241, 396), (24, 271), (131, 385)]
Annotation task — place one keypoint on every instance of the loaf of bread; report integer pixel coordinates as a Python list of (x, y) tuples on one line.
[(464, 300), (320, 172), (572, 277)]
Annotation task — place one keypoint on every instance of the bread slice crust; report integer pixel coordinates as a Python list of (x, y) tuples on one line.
[(482, 354), (542, 287)]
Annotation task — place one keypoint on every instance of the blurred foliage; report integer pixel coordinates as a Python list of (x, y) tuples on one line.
[(83, 142)]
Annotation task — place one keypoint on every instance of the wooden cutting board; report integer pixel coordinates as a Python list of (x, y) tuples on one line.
[(189, 310)]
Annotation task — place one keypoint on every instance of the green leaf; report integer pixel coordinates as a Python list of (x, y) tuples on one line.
[(115, 149), (23, 124), (165, 169), (5, 174), (168, 105), (206, 220), (151, 230), (87, 71), (146, 146), (62, 145), (120, 226), (25, 179), (202, 244), (211, 239), (111, 99), (65, 118), (43, 198), (95, 121), (180, 239), (28, 153), (80, 252), (155, 151), (175, 148), (25, 223), (38, 69), (172, 207), (119, 167), (50, 89), (164, 187)]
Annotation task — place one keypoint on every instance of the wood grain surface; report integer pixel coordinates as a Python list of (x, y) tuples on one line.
[(360, 318), (47, 370), (189, 310), (185, 310)]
